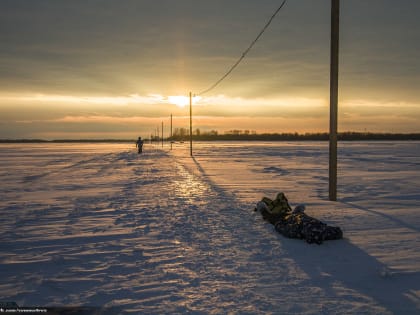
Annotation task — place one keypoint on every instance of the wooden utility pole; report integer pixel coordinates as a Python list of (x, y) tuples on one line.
[(335, 22), (191, 124)]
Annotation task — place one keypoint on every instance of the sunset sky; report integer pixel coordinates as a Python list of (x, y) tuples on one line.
[(117, 69)]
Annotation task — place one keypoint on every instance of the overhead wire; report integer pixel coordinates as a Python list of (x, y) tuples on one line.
[(245, 52)]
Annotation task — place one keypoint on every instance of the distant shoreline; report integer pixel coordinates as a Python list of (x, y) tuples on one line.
[(345, 136), (66, 141)]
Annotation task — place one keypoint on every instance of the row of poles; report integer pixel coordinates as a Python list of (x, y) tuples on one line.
[(161, 138), (334, 60)]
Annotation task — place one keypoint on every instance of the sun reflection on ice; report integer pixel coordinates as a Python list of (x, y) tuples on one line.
[(189, 188)]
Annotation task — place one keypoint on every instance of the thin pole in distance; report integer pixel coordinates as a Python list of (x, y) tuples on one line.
[(191, 153), (171, 132)]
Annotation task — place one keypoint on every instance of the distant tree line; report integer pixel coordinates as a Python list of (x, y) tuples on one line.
[(183, 134)]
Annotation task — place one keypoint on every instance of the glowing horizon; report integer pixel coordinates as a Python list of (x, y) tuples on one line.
[(134, 114)]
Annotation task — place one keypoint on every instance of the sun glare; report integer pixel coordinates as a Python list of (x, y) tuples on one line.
[(182, 101), (179, 100)]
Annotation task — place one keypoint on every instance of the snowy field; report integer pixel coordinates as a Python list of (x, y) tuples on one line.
[(164, 233)]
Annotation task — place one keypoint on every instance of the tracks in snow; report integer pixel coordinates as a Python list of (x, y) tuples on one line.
[(141, 232)]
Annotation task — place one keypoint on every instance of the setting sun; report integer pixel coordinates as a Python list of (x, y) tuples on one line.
[(182, 101), (179, 100)]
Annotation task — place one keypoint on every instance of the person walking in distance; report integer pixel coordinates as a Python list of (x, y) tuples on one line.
[(139, 145)]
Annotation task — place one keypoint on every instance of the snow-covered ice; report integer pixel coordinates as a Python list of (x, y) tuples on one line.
[(164, 233)]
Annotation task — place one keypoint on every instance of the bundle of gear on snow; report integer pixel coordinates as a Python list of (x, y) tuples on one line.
[(295, 223)]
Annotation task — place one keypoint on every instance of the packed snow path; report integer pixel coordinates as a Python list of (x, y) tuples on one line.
[(165, 233)]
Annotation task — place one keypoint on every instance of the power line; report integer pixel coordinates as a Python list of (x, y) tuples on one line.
[(245, 52)]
